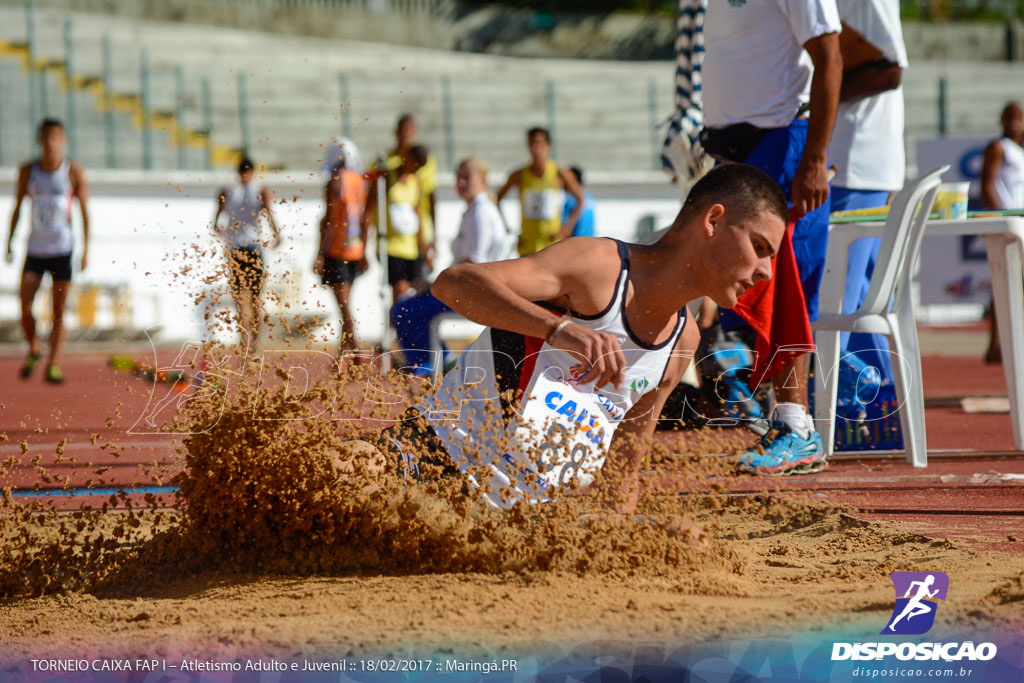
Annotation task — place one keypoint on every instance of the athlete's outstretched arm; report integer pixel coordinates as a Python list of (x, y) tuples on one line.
[(810, 183), (634, 436), (81, 188), (222, 199), (327, 222), (19, 196), (502, 294), (368, 215), (573, 188), (992, 160), (513, 181), (267, 198)]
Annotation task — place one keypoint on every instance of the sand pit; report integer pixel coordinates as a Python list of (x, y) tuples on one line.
[(271, 552)]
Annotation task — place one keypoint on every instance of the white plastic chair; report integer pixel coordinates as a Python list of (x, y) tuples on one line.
[(888, 309)]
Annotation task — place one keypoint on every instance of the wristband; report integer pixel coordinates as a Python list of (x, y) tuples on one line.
[(555, 330)]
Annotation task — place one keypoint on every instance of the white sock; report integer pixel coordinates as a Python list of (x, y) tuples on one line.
[(795, 417)]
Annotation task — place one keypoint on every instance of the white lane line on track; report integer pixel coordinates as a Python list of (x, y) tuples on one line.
[(86, 446)]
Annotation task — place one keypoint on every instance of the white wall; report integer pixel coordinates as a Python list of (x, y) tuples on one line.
[(150, 231)]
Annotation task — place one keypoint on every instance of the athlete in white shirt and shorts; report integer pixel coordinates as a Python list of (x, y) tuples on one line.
[(585, 341), (244, 203), (1002, 187), (52, 182)]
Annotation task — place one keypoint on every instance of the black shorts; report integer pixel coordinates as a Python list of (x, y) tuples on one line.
[(403, 269), (245, 269), (58, 266), (338, 272), (414, 449)]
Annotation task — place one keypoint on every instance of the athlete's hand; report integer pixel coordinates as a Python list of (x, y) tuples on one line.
[(363, 265), (810, 187), (600, 353), (10, 255), (85, 261), (318, 265)]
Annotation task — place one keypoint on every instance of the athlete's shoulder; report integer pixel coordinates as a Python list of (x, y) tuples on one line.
[(593, 253), (76, 171)]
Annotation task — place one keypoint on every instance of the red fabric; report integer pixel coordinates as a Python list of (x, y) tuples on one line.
[(777, 311), (531, 349)]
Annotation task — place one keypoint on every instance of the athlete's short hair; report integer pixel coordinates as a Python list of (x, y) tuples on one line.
[(578, 172), (740, 188), (537, 130), (245, 165), (1008, 107), (48, 123), (403, 118), (419, 154)]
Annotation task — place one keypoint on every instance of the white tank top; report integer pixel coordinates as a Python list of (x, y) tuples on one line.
[(555, 430), (51, 195), (242, 204), (1009, 185)]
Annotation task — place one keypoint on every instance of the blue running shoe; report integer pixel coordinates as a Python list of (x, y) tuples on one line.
[(783, 451), (739, 406)]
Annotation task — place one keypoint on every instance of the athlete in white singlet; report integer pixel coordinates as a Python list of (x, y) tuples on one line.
[(52, 182), (244, 203), (587, 339), (1002, 187)]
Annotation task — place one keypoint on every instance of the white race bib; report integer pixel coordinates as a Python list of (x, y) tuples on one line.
[(564, 432), (404, 219), (49, 212), (540, 205)]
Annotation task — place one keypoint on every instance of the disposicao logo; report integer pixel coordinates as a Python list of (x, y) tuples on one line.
[(916, 595)]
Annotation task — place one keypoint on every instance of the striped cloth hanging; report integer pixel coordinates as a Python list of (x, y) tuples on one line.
[(681, 154)]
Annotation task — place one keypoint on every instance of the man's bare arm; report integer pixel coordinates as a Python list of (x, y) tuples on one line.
[(574, 189), (77, 177), (502, 294), (635, 435), (513, 181), (19, 196), (222, 199), (870, 79), (267, 197), (371, 206), (992, 160), (810, 184), (866, 71)]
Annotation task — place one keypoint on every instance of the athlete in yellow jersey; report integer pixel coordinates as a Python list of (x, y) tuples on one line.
[(405, 138), (539, 184), (405, 238)]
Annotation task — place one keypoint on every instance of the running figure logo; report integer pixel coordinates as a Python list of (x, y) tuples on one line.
[(916, 595)]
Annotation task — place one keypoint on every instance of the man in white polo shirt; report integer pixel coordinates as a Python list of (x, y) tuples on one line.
[(867, 151), (765, 64)]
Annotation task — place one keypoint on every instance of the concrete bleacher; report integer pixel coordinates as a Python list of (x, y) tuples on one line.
[(604, 113), (602, 110)]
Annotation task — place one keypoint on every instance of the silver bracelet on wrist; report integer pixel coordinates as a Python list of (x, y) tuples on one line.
[(555, 330)]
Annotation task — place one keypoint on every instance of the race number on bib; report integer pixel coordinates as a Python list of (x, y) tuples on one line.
[(404, 220), (49, 211), (540, 205), (564, 432)]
